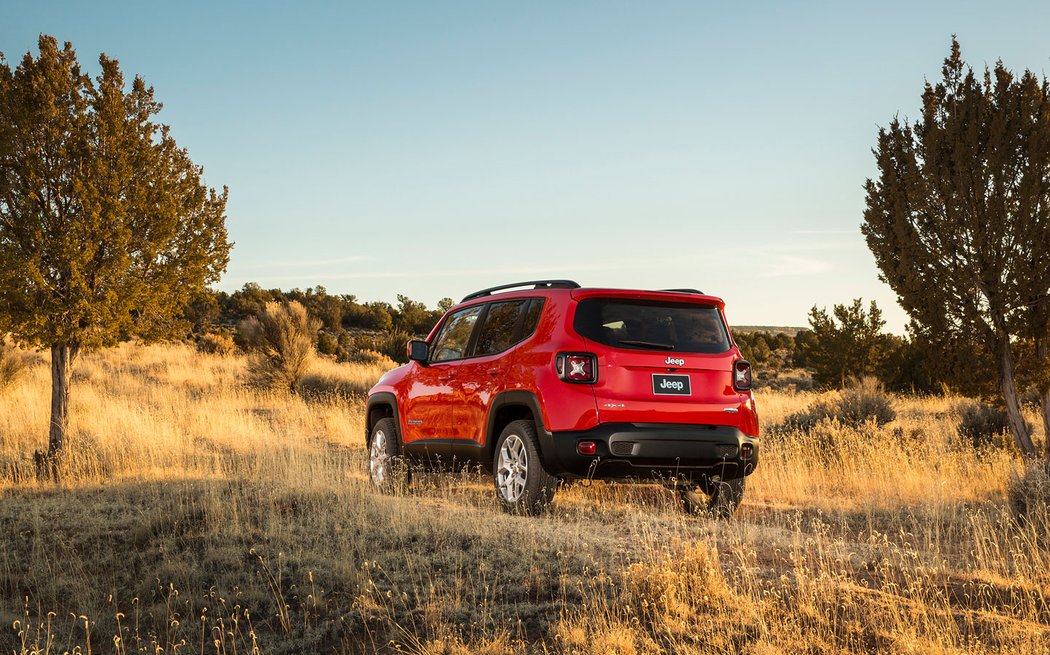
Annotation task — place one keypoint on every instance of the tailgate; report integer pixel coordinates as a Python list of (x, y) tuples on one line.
[(661, 357), (644, 387)]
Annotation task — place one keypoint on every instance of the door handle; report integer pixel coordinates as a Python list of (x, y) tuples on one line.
[(446, 378), (494, 372)]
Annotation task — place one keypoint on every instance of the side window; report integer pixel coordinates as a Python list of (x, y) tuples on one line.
[(499, 330), (532, 317), (451, 343)]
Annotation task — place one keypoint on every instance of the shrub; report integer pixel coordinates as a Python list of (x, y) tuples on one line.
[(327, 343), (372, 358), (863, 401), (216, 343), (281, 337), (394, 344), (984, 426), (13, 364), (1029, 496)]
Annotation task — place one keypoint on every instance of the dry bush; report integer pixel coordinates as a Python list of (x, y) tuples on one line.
[(1029, 496), (864, 401), (984, 426), (282, 338), (373, 358), (394, 345), (216, 343), (13, 364)]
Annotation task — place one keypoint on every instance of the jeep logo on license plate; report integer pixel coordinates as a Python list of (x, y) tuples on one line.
[(671, 385)]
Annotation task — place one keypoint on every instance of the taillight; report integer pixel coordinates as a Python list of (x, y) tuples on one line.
[(741, 375), (577, 367)]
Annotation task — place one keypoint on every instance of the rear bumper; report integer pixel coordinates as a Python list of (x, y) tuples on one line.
[(651, 452)]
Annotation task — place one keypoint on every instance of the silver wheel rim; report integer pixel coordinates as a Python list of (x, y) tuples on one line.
[(378, 459), (513, 469)]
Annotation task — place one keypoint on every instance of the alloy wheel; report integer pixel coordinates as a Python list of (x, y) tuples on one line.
[(513, 469)]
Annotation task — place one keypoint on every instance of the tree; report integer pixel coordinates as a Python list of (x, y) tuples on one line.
[(845, 345), (959, 216), (106, 228), (412, 316), (755, 348)]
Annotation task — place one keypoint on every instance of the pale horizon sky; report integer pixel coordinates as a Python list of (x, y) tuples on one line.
[(433, 149)]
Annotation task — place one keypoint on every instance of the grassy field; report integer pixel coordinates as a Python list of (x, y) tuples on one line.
[(200, 515)]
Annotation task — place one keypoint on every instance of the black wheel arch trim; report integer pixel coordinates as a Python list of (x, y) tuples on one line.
[(378, 399), (519, 398)]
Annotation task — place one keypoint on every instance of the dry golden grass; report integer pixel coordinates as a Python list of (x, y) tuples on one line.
[(198, 514)]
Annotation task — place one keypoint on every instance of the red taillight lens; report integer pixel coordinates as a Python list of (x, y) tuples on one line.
[(576, 367), (586, 447), (741, 375)]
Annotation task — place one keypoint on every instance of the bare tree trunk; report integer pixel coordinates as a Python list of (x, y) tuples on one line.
[(62, 356), (1013, 404)]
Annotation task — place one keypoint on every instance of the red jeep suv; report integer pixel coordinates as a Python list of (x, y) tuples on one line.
[(556, 382)]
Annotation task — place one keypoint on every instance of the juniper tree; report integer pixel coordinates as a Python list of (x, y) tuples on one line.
[(106, 227), (958, 217), (846, 344)]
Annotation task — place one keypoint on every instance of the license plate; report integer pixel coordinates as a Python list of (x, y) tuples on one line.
[(671, 385)]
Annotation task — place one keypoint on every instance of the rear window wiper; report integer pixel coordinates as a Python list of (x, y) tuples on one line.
[(647, 344)]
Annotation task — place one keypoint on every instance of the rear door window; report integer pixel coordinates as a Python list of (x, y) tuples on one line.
[(652, 325), (451, 342), (501, 327)]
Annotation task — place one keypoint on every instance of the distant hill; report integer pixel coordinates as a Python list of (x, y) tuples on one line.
[(775, 329)]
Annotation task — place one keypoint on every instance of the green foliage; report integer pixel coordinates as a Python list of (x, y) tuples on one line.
[(907, 367), (373, 315), (414, 318), (203, 312), (281, 338), (850, 344), (863, 401), (327, 343), (106, 227), (805, 343), (958, 218), (755, 348), (394, 345), (770, 350), (983, 425)]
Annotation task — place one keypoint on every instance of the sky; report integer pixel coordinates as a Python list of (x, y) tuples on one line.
[(433, 149)]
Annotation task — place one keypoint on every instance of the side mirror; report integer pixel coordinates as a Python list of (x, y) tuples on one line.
[(417, 351)]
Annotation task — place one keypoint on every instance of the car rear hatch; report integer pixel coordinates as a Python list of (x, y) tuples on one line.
[(661, 357)]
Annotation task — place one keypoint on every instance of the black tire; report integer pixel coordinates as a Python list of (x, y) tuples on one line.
[(387, 468), (720, 499), (522, 485)]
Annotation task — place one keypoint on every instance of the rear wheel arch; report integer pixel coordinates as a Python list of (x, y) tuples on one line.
[(508, 407)]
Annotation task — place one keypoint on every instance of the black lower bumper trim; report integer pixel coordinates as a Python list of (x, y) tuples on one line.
[(651, 452)]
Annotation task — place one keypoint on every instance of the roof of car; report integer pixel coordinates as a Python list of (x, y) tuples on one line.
[(550, 287)]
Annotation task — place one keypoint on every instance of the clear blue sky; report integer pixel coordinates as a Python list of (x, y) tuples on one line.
[(435, 148)]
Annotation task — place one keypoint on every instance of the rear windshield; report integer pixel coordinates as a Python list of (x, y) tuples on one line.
[(644, 325)]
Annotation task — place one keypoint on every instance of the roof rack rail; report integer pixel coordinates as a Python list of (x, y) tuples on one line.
[(696, 291), (535, 284)]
